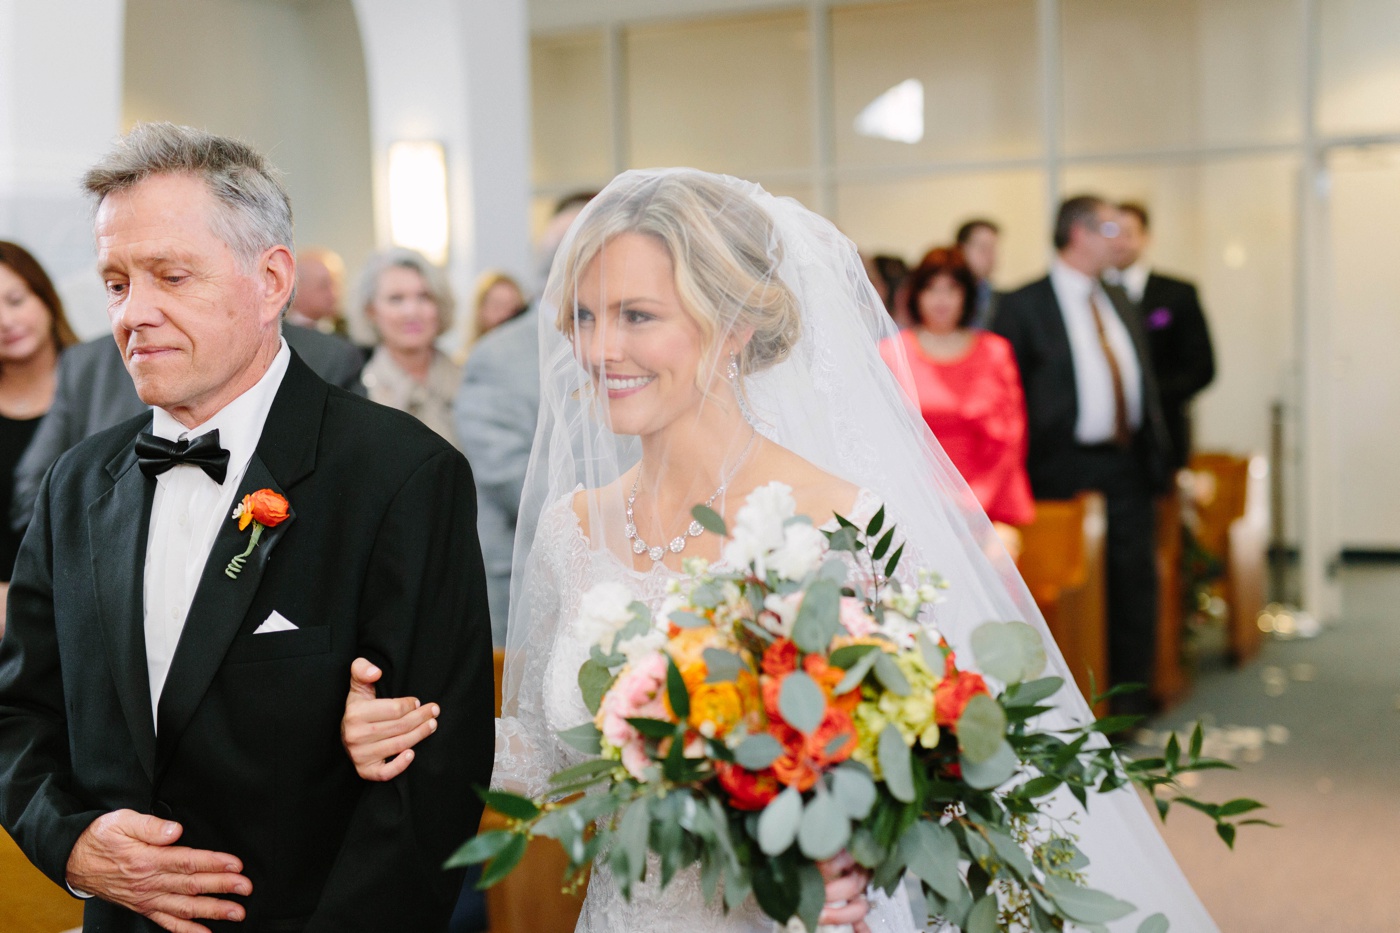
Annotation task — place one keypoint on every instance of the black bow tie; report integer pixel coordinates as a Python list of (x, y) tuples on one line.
[(157, 455)]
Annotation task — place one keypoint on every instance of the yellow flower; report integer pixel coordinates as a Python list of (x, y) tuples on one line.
[(715, 708)]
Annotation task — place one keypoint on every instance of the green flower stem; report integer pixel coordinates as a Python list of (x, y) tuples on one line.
[(235, 566)]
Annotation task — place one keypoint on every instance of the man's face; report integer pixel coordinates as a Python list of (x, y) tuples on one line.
[(1095, 238), (318, 291), (1131, 241), (188, 318), (980, 251)]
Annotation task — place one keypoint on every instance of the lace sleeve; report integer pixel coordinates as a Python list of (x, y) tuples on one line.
[(527, 748)]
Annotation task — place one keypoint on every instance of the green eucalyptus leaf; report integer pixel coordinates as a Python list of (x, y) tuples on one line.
[(931, 852), (504, 862), (1012, 652), (676, 692), (594, 768), (933, 654), (1032, 692), (757, 752), (896, 764), (594, 679), (1157, 923), (981, 729), (844, 538), (721, 665), (510, 805), (1085, 905), (846, 656), (825, 828), (801, 702), (682, 619), (587, 738), (631, 837), (854, 789), (811, 897), (652, 728), (819, 617), (481, 847), (890, 676), (857, 671), (710, 520), (983, 917), (1011, 854), (779, 822), (993, 772)]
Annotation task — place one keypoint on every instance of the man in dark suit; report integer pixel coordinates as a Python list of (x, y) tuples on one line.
[(978, 239), (172, 680), (95, 392), (1094, 417), (1171, 314)]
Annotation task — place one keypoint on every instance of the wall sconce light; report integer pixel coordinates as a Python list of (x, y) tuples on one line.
[(418, 198)]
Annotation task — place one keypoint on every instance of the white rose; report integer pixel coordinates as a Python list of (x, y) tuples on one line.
[(758, 526), (602, 612), (801, 553), (639, 646), (782, 613)]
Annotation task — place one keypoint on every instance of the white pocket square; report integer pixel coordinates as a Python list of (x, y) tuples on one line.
[(275, 623)]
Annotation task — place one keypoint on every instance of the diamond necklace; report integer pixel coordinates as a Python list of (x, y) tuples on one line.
[(695, 530)]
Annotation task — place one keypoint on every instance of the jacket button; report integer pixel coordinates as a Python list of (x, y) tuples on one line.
[(162, 810)]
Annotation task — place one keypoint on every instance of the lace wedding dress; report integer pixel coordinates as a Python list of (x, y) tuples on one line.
[(571, 568)]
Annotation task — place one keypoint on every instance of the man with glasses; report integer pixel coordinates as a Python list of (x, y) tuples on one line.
[(1095, 418)]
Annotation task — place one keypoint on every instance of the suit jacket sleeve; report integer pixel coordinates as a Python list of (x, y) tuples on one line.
[(425, 622), (1009, 323), (1193, 359), (37, 804), (61, 428)]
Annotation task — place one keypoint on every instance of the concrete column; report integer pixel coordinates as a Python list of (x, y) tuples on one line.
[(457, 72), (60, 107)]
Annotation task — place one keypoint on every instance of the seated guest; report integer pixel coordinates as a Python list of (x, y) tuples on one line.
[(407, 302), (969, 390), (498, 299), (320, 286), (33, 331)]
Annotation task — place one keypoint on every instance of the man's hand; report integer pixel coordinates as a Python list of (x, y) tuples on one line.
[(846, 882), (131, 859), (374, 730)]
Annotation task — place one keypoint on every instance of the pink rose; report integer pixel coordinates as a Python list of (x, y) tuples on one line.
[(854, 618), (637, 693)]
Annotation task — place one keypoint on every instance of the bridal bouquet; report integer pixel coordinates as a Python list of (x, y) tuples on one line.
[(766, 718)]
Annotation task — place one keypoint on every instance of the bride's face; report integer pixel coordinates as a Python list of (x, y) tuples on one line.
[(641, 347)]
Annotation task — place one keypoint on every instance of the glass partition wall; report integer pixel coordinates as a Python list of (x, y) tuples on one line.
[(1262, 134)]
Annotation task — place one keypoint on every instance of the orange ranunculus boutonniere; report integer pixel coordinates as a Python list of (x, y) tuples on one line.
[(261, 509)]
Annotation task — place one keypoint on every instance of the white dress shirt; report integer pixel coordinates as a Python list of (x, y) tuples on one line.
[(1132, 280), (1093, 381), (186, 514)]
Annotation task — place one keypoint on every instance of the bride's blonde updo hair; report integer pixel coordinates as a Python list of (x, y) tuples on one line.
[(723, 250)]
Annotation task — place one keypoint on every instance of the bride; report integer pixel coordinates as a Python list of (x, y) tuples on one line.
[(700, 339)]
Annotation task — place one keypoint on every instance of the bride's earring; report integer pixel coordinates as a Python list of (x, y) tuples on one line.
[(733, 371)]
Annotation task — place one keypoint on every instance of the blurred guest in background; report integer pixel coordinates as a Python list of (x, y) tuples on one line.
[(496, 411), (877, 281), (1177, 335), (1095, 418), (497, 299), (406, 300), (895, 271), (33, 331), (320, 288), (978, 239), (969, 390)]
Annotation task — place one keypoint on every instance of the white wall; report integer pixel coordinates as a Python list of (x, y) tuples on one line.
[(60, 106), (289, 78)]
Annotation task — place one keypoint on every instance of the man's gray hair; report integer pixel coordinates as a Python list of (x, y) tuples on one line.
[(398, 257), (256, 212)]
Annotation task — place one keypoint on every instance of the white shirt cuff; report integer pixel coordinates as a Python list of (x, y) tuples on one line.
[(76, 893)]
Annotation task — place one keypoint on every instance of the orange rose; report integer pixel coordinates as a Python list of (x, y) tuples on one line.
[(717, 705), (834, 740), (828, 677), (780, 658), (748, 790), (794, 767), (265, 507), (952, 693)]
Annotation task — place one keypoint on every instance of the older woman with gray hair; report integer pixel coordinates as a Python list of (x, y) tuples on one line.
[(407, 301)]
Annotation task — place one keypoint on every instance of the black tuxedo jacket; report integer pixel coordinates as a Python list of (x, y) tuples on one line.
[(1031, 320), (379, 557), (1181, 352)]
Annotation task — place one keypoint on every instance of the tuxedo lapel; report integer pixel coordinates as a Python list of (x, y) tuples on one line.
[(117, 527), (285, 455)]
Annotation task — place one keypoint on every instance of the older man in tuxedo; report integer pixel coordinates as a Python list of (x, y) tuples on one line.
[(1095, 419), (172, 681)]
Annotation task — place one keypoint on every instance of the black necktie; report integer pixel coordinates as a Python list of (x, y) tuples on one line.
[(157, 455)]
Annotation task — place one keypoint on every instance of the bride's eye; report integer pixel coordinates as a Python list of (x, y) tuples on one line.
[(632, 316)]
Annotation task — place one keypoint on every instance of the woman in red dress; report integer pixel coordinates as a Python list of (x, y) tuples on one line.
[(969, 390)]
